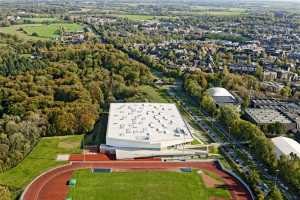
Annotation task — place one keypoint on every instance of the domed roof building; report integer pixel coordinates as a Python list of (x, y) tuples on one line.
[(285, 146), (222, 96), (219, 92)]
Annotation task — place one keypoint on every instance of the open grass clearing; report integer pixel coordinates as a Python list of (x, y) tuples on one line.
[(137, 17), (40, 19), (204, 12), (43, 31), (151, 94), (70, 143), (142, 185), (211, 8), (42, 157), (15, 30), (142, 17), (51, 30)]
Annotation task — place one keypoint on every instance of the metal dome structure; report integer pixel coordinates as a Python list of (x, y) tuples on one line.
[(219, 92)]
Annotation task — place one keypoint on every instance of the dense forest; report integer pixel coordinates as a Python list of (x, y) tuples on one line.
[(48, 89)]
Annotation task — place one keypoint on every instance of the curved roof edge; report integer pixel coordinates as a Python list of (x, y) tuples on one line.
[(219, 92)]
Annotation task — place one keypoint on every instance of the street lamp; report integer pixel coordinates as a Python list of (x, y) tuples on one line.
[(83, 149), (276, 177)]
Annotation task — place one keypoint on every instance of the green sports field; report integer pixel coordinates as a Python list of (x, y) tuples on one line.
[(142, 185)]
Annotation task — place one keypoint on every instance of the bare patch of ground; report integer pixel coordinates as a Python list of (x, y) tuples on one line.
[(68, 144), (216, 198), (209, 181)]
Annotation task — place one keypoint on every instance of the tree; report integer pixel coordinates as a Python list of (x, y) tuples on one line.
[(246, 102), (5, 193), (254, 178), (286, 91), (260, 196), (226, 71), (4, 149), (35, 34), (86, 119), (275, 194), (130, 75), (289, 169), (276, 128), (16, 140), (64, 123), (259, 73), (209, 105), (96, 92), (265, 151), (249, 61), (228, 115), (60, 91)]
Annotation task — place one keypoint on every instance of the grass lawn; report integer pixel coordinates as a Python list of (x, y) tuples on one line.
[(208, 11), (211, 8), (137, 17), (49, 31), (13, 30), (40, 159), (142, 185), (219, 13), (153, 95), (40, 19), (142, 17), (44, 31)]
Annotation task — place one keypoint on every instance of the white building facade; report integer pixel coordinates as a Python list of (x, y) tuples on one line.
[(146, 126)]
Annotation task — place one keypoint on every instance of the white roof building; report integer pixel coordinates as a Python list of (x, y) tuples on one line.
[(222, 96), (146, 126), (286, 146), (219, 92)]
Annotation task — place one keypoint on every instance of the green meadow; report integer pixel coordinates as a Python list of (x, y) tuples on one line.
[(42, 157), (43, 31), (40, 19)]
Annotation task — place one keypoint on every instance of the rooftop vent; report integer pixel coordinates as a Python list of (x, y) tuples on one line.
[(177, 135)]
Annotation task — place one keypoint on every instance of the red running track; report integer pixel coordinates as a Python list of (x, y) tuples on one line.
[(52, 185), (89, 157)]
